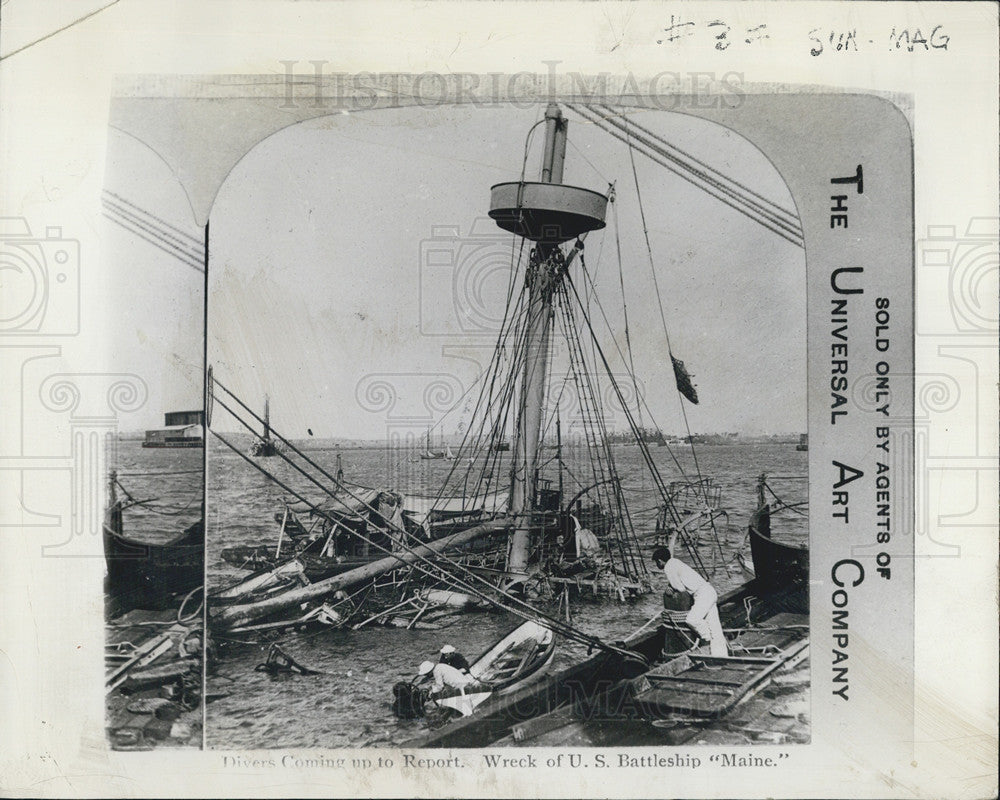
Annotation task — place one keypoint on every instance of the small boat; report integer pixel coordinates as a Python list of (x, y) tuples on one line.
[(428, 454), (706, 686), (517, 660), (149, 575)]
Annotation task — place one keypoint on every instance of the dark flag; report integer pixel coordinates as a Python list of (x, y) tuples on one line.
[(684, 385)]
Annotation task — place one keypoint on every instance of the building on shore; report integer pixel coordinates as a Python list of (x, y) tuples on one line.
[(180, 429)]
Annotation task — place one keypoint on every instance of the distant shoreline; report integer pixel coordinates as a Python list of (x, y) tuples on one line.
[(312, 445)]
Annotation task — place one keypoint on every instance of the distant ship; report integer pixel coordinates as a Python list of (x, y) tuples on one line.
[(431, 455), (180, 429), (803, 442), (264, 447)]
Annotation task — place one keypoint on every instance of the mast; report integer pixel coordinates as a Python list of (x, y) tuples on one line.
[(548, 213), (267, 418), (543, 275)]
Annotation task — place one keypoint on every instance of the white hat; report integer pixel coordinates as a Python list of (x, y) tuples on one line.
[(447, 649), (426, 667)]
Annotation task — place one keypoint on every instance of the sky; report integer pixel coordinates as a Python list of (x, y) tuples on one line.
[(352, 262)]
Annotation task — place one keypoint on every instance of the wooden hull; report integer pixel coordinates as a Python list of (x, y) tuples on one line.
[(776, 564), (145, 575)]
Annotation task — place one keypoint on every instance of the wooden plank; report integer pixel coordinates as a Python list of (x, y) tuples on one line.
[(684, 679), (142, 655), (710, 659), (720, 674), (533, 728)]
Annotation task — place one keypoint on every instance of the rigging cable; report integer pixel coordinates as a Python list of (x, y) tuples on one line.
[(642, 445), (683, 173), (787, 224), (663, 318), (790, 215)]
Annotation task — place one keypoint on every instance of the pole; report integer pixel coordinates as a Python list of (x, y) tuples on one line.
[(559, 460), (238, 615), (544, 272)]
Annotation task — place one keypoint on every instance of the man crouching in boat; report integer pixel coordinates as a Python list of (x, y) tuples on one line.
[(703, 617), (445, 676)]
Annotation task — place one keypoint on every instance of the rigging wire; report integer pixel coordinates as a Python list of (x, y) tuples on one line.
[(643, 447), (785, 220), (621, 355), (621, 284), (614, 496), (790, 215), (663, 317), (724, 196)]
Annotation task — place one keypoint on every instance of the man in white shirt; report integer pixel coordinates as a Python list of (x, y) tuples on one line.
[(704, 614), (445, 676)]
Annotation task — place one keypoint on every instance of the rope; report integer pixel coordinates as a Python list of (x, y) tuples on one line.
[(614, 496), (794, 507), (180, 611), (643, 447), (131, 474), (784, 220), (663, 317), (661, 486)]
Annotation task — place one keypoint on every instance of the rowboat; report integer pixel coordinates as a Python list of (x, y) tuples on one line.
[(517, 660), (775, 563)]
